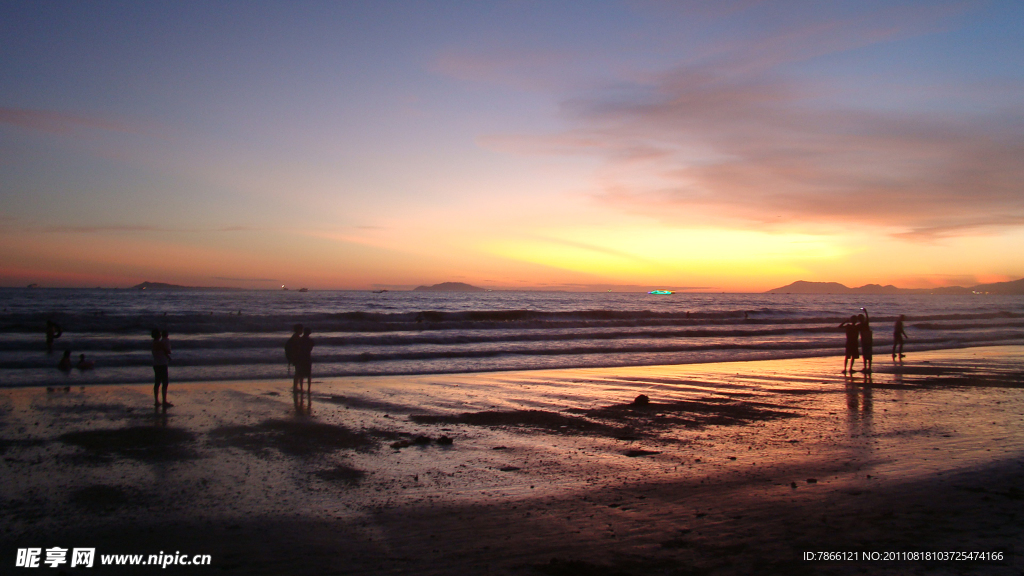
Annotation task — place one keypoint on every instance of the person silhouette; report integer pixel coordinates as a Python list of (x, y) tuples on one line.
[(304, 359), (291, 351), (866, 339), (65, 362), (161, 349), (898, 336), (53, 331), (84, 364), (852, 332)]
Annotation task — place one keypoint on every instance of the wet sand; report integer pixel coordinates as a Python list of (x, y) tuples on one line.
[(730, 468)]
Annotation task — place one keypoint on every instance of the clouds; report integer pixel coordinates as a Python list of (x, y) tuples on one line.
[(516, 69), (754, 151), (701, 143), (52, 122), (745, 135), (636, 138)]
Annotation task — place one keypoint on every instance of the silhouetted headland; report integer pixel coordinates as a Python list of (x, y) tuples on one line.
[(449, 287), (1015, 287), (171, 287)]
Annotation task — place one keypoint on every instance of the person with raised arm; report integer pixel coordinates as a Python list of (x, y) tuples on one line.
[(866, 339), (852, 333)]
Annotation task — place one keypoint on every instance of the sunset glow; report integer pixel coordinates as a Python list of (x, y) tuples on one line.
[(571, 146)]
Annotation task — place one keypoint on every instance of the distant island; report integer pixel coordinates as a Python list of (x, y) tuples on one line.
[(449, 287), (1015, 287), (174, 287)]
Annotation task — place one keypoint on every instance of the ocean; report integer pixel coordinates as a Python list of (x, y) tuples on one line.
[(240, 335)]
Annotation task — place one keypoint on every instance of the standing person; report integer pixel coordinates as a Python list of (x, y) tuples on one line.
[(84, 364), (65, 362), (304, 359), (161, 358), (898, 336), (53, 331), (852, 332), (291, 350), (866, 339)]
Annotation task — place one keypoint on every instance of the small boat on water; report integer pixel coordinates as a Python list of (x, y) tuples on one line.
[(661, 292), (303, 289)]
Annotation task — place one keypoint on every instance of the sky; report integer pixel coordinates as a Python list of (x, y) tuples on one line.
[(729, 146)]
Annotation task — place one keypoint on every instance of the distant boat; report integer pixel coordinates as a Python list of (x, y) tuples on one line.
[(303, 289), (33, 285), (661, 292), (379, 291)]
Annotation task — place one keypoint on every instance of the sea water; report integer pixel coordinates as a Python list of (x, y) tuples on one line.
[(240, 335)]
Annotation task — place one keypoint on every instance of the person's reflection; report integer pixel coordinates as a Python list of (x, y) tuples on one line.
[(160, 416), (852, 396), (859, 401), (866, 392), (303, 402), (860, 446)]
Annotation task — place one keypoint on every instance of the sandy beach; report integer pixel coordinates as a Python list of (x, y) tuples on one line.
[(730, 468)]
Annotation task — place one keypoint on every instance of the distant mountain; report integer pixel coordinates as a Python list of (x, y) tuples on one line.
[(802, 287), (174, 287), (1014, 287), (449, 287)]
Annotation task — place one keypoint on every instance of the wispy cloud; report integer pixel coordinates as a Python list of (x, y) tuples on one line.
[(594, 248), (53, 122), (106, 229), (136, 228), (519, 69), (246, 279), (737, 137)]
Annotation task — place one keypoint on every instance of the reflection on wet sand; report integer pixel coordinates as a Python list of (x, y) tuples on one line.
[(713, 471), (303, 402)]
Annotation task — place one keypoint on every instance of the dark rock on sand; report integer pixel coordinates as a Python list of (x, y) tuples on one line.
[(635, 453), (538, 419), (690, 414), (641, 400)]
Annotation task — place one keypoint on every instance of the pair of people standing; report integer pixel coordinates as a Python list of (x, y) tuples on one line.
[(858, 327), (299, 351)]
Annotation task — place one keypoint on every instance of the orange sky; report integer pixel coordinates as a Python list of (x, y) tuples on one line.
[(734, 147)]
